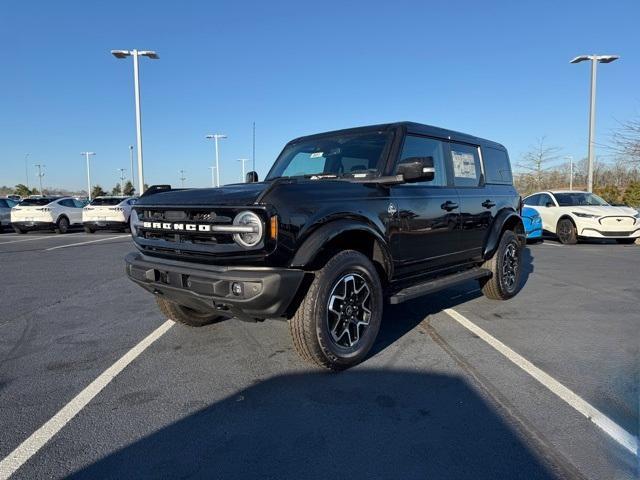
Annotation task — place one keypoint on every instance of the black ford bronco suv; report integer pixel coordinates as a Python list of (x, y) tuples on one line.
[(344, 222)]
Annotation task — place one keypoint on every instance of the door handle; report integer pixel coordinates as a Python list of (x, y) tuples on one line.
[(449, 205), (488, 204)]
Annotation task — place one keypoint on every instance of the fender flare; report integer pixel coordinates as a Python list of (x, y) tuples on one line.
[(313, 244), (504, 218)]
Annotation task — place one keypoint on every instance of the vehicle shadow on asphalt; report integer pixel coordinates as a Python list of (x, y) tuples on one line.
[(360, 424), (399, 320)]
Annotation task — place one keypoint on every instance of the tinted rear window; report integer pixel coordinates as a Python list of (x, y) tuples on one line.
[(496, 166), (36, 202), (106, 201)]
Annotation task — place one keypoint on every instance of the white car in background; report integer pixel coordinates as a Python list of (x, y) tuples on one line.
[(107, 213), (46, 213), (574, 214)]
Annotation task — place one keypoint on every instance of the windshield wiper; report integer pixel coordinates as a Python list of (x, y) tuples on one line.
[(320, 176)]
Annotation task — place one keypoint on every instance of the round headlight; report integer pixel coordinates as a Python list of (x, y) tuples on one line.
[(250, 238)]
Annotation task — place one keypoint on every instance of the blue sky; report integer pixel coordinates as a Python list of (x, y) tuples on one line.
[(494, 69)]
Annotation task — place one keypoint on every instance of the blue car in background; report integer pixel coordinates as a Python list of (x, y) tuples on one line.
[(532, 223)]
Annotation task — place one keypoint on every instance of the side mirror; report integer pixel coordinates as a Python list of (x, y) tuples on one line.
[(417, 169), (549, 204), (251, 177)]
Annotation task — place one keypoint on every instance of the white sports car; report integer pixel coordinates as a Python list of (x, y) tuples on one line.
[(46, 213), (572, 215), (107, 213)]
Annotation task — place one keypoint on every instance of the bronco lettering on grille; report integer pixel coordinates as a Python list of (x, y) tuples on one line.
[(190, 227)]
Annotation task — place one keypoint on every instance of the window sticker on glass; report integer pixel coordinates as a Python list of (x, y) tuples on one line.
[(464, 165), (316, 155)]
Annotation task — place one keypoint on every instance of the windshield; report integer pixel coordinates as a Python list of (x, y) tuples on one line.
[(574, 199), (353, 155), (33, 202), (107, 201)]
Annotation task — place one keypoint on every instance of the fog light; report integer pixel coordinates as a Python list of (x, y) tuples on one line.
[(236, 289)]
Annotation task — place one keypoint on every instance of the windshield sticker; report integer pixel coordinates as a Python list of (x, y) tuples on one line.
[(316, 155), (464, 165)]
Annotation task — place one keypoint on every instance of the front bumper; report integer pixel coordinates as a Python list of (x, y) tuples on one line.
[(34, 225), (598, 233), (265, 292), (105, 224)]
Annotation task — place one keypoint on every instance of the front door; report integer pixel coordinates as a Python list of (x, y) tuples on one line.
[(428, 214)]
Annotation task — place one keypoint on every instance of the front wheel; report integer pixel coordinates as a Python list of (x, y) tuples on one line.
[(338, 320), (186, 315), (567, 232), (626, 241), (89, 230), (505, 266), (19, 230)]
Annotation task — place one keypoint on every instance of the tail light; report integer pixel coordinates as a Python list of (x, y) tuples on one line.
[(44, 209)]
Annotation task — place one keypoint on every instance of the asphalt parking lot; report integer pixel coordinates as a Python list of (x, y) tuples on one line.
[(232, 400)]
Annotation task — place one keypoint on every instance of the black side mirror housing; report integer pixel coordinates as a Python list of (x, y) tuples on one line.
[(417, 169), (251, 177)]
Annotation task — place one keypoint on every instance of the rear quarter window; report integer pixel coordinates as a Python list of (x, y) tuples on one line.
[(497, 168)]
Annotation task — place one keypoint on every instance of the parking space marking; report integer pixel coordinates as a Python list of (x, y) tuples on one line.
[(86, 243), (552, 244), (611, 428), (40, 238), (40, 437)]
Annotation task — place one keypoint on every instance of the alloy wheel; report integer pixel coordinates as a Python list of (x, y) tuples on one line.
[(510, 266), (349, 310)]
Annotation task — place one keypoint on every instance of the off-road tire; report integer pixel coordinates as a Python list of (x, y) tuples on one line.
[(89, 230), (626, 241), (309, 327), (19, 230), (567, 232), (496, 287), (62, 225), (186, 315)]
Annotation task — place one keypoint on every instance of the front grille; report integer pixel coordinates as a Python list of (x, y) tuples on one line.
[(617, 221), (178, 231)]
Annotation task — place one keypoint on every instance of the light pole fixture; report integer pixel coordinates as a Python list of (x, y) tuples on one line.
[(242, 160), (215, 137), (87, 155), (595, 59), (136, 91), (131, 161)]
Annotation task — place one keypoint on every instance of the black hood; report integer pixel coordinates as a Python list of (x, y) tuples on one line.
[(237, 194)]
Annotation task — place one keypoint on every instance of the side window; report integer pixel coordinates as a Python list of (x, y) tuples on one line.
[(78, 203), (532, 200), (496, 166), (426, 147), (466, 165), (544, 198), (132, 201), (67, 203)]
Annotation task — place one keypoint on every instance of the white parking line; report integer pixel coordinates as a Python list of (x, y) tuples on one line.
[(608, 426), (552, 244), (40, 437), (86, 243), (42, 237)]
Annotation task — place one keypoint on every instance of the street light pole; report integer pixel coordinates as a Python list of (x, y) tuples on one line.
[(136, 90), (122, 170), (182, 177), (570, 158), (213, 178), (242, 160), (87, 155), (131, 161), (594, 59), (40, 175), (216, 137), (26, 168)]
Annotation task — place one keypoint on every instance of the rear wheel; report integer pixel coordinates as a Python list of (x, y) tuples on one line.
[(186, 315), (505, 266), (62, 226), (567, 232), (338, 320), (626, 241)]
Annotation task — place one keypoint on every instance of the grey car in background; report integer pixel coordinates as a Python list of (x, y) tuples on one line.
[(6, 204)]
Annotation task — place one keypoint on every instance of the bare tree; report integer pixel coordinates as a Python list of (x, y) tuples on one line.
[(537, 159), (626, 140)]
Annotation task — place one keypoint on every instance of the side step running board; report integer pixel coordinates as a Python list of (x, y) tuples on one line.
[(440, 283)]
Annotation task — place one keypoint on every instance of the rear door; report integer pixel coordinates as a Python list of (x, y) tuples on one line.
[(477, 205), (427, 212)]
